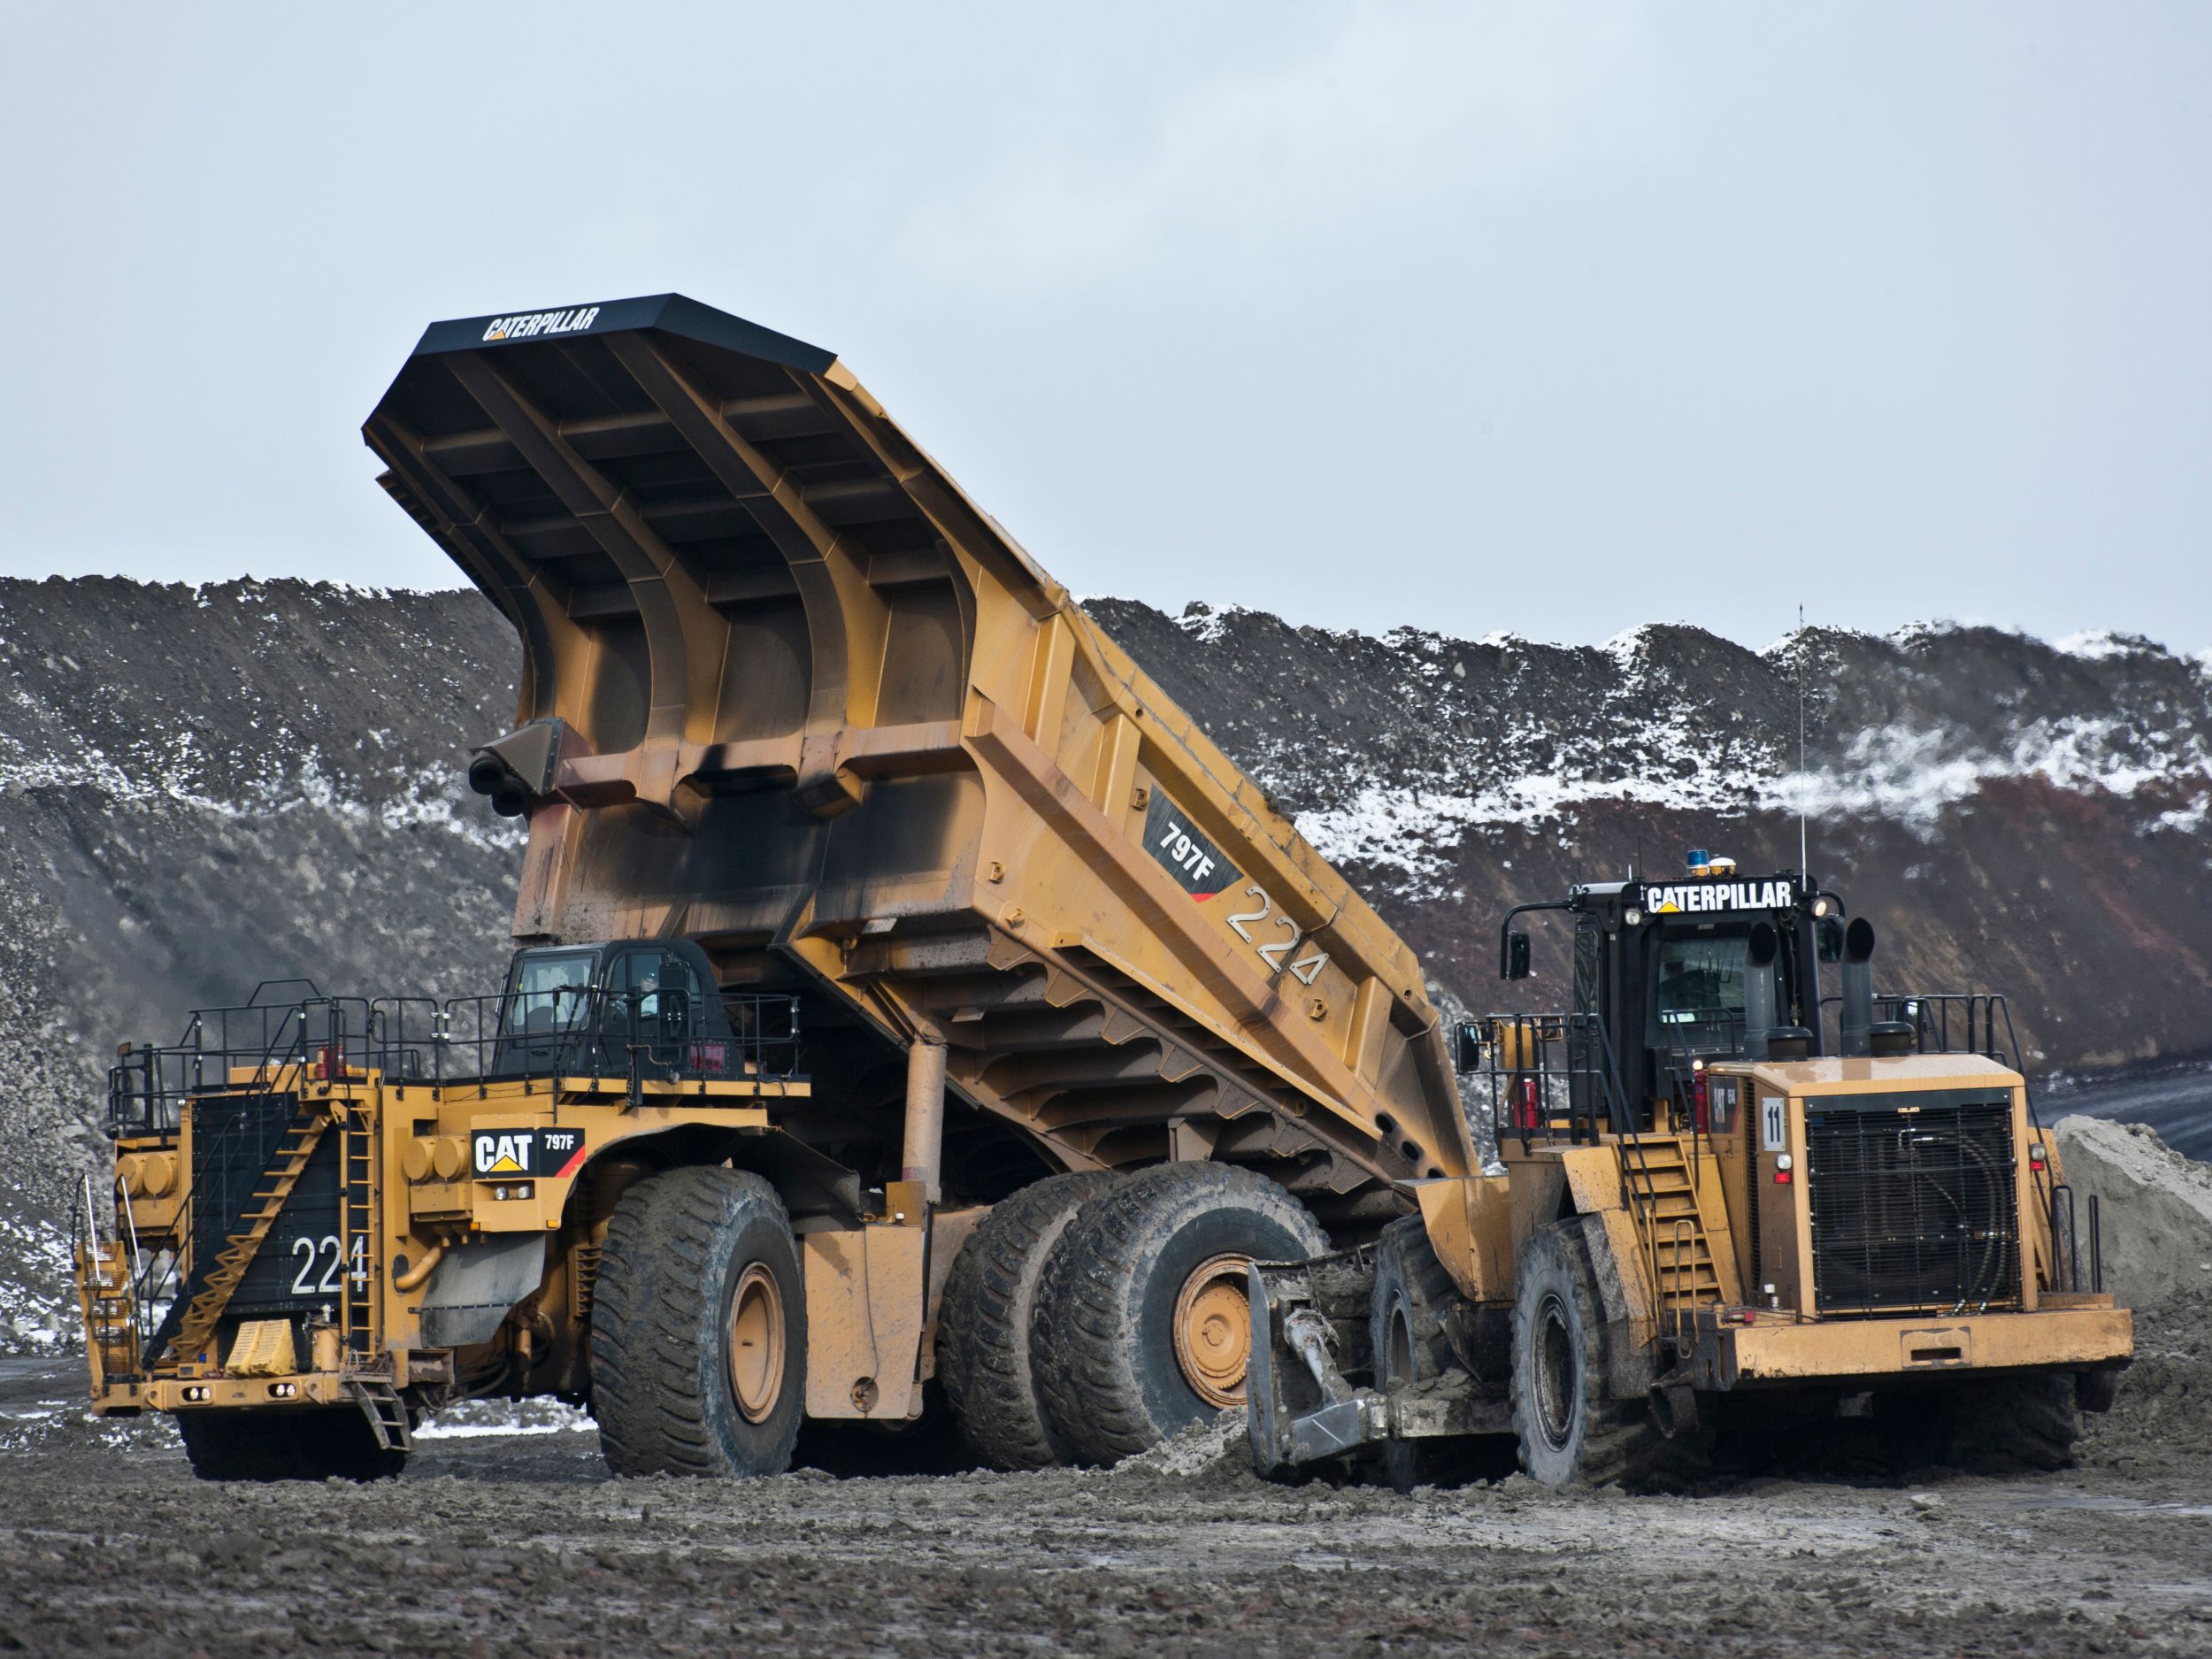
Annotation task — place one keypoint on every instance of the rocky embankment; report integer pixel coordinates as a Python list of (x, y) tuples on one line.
[(201, 788)]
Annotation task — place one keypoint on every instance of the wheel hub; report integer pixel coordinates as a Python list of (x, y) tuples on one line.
[(756, 1343), (1213, 1329), (1557, 1375)]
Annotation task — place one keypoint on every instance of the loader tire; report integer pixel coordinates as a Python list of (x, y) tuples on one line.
[(698, 1329), (1160, 1257), (335, 1442), (2009, 1424), (1571, 1432), (990, 1301), (1413, 1296)]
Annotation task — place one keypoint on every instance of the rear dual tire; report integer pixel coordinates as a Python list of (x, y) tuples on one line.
[(984, 1354), (1143, 1323), (298, 1444)]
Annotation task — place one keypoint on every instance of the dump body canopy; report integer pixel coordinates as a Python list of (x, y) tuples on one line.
[(806, 702)]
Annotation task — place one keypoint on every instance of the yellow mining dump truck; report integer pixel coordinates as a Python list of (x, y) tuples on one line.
[(1725, 1199), (907, 992)]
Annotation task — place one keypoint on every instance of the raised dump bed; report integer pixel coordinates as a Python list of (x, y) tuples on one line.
[(789, 693)]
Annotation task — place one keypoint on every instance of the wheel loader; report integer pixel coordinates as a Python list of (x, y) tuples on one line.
[(1724, 1196), (911, 1012)]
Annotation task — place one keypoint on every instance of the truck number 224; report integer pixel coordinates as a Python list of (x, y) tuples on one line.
[(308, 1252), (1275, 952)]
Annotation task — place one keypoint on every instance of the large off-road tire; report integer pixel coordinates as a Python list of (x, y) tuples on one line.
[(1143, 1325), (1413, 1297), (1569, 1431), (698, 1328), (301, 1444), (990, 1301), (2007, 1424)]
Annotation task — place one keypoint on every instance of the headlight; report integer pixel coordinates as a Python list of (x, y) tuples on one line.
[(1823, 905), (1633, 917)]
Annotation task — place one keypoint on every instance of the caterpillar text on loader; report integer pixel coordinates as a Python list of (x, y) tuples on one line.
[(906, 994), (1713, 1199)]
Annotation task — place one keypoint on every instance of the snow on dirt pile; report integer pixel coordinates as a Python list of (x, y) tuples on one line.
[(201, 788), (2011, 815), (2155, 1208)]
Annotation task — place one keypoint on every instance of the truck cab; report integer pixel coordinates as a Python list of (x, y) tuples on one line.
[(588, 1008)]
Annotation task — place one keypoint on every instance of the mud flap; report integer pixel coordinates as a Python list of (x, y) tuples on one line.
[(475, 1286)]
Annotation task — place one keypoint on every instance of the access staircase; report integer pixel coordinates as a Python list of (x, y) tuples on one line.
[(191, 1330), (1670, 1225)]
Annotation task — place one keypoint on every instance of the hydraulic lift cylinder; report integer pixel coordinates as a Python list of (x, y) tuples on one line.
[(923, 1159)]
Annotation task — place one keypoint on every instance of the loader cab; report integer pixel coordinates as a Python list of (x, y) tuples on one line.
[(1665, 977), (586, 1008)]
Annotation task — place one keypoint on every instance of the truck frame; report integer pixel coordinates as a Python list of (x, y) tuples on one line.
[(791, 700)]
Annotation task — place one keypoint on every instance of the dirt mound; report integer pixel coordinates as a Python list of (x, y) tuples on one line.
[(1216, 1451), (2164, 1408), (2157, 1208)]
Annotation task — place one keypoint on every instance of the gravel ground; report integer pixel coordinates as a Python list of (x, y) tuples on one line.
[(497, 1543)]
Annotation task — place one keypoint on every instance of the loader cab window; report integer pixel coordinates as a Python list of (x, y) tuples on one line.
[(1701, 975), (1699, 996)]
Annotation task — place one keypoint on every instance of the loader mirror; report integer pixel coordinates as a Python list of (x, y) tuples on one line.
[(1831, 939), (1467, 1046), (1517, 955)]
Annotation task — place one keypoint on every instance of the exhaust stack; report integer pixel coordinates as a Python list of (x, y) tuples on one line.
[(1858, 989), (1758, 989)]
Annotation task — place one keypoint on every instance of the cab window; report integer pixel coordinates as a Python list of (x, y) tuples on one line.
[(549, 991), (648, 973), (1701, 979)]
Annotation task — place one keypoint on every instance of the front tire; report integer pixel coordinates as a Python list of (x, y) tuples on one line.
[(1413, 1296), (1143, 1321), (1569, 1431), (698, 1339)]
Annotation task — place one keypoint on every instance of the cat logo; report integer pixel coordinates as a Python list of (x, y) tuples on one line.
[(505, 1151), (530, 323)]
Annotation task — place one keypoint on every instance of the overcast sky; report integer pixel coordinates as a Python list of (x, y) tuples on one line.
[(1554, 320)]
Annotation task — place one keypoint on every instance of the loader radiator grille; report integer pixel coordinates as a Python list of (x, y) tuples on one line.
[(1913, 1202)]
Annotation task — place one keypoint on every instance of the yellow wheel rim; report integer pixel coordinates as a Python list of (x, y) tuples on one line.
[(757, 1343), (1213, 1329)]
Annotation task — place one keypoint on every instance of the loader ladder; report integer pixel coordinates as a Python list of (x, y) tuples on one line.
[(189, 1337), (1662, 1198)]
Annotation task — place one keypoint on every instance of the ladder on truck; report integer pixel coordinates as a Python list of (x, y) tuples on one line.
[(1662, 1189)]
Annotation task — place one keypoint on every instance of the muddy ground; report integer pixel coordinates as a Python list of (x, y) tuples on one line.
[(497, 1543)]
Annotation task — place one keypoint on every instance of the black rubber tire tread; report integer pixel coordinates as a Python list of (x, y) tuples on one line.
[(1611, 1441), (1101, 1344), (286, 1445), (659, 1365), (2008, 1423), (1409, 1276), (990, 1301)]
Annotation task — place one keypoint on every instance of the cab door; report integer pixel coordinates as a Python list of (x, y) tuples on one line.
[(652, 1004)]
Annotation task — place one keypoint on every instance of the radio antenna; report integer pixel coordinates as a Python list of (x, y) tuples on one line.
[(1804, 862)]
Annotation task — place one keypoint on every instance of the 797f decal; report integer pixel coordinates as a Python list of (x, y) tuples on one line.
[(1203, 870)]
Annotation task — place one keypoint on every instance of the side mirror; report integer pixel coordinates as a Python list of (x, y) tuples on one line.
[(1829, 932), (1467, 1046), (1517, 955)]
